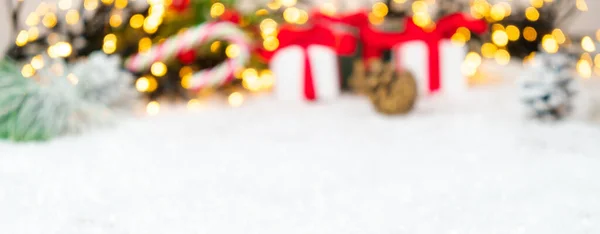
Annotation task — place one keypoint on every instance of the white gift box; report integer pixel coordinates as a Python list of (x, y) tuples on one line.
[(288, 66)]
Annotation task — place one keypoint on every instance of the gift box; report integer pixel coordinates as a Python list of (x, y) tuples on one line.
[(432, 58), (305, 65)]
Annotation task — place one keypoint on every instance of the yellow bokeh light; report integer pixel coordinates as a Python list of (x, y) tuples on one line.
[(142, 84), (373, 19), (153, 108), (274, 5), (288, 3), (581, 5), (248, 72), (90, 5), (458, 39), (107, 2), (185, 71), (496, 27), (271, 43), (597, 60), (537, 3), (49, 20), (588, 44), (22, 38), (251, 83), (121, 4), (72, 17), (110, 43), (136, 21), (37, 62), (61, 49), (532, 14), (73, 78), (488, 50), (291, 15), (529, 34), (158, 69), (502, 57), (328, 8), (217, 9), (267, 79), (419, 6), (513, 33), (33, 34), (559, 36), (498, 12), (115, 20), (235, 99), (261, 12), (27, 71), (33, 19), (186, 81), (268, 26), (422, 19), (151, 24), (380, 9), (550, 44), (473, 58), (584, 68), (144, 44), (500, 38), (303, 17), (232, 51), (215, 46)]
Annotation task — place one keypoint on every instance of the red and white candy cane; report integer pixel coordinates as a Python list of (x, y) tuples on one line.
[(192, 38)]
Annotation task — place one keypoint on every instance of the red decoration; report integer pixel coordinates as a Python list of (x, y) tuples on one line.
[(180, 5), (375, 42), (187, 57), (231, 16), (316, 35)]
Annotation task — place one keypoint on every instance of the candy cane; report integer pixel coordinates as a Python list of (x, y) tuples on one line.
[(194, 37)]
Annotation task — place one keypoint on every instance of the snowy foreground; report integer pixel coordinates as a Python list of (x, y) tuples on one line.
[(466, 166)]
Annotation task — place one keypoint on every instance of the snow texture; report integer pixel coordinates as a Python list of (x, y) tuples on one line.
[(454, 166)]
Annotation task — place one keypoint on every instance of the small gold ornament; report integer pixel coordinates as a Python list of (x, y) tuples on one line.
[(390, 91)]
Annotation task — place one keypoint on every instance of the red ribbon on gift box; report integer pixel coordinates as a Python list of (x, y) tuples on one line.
[(375, 42), (304, 37)]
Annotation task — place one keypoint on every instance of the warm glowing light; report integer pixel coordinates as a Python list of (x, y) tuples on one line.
[(597, 60), (33, 34), (271, 43), (588, 44), (473, 58), (186, 81), (90, 5), (328, 8), (251, 83), (142, 84), (598, 35), (532, 14), (193, 104), (144, 44), (500, 38), (72, 17), (232, 51), (217, 9), (110, 44), (158, 69), (529, 34), (488, 50), (215, 46), (380, 9), (108, 2), (422, 19), (288, 3), (33, 19), (373, 19), (498, 12), (559, 36), (185, 71), (22, 38), (291, 15), (37, 62), (502, 57), (584, 68), (151, 24), (60, 49), (537, 3), (27, 71), (268, 26), (274, 5), (550, 44), (248, 72), (121, 4), (115, 20), (49, 20), (513, 33), (153, 108), (581, 5), (419, 6), (136, 21), (235, 99), (267, 79), (303, 17)]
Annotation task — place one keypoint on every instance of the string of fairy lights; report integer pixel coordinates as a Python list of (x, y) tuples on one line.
[(255, 79)]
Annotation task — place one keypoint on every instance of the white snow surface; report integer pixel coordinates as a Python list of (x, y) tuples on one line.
[(470, 165)]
